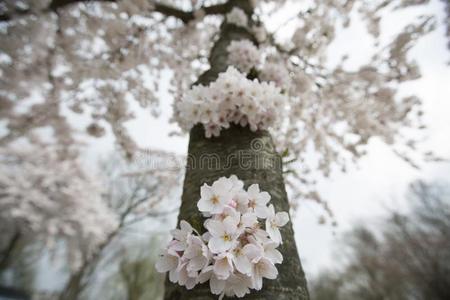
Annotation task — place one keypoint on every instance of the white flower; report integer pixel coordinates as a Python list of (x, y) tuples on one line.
[(169, 261), (241, 200), (223, 234), (214, 198), (237, 17), (228, 211), (264, 268), (237, 285), (257, 201), (257, 249), (197, 254), (216, 285), (237, 185), (223, 265), (181, 236), (241, 260), (244, 55), (247, 220), (274, 222), (184, 278), (271, 253)]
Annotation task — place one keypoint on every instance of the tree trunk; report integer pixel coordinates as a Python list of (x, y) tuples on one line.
[(252, 157)]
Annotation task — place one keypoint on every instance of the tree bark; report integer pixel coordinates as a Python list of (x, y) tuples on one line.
[(252, 157)]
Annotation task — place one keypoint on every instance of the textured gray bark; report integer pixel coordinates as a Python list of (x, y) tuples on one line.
[(252, 157)]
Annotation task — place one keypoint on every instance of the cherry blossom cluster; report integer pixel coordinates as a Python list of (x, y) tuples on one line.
[(235, 253), (244, 55), (232, 98)]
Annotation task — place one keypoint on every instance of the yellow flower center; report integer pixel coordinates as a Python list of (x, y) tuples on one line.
[(226, 238), (215, 199), (252, 203), (273, 224)]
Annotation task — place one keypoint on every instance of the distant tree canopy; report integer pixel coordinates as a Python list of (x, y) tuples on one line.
[(407, 258)]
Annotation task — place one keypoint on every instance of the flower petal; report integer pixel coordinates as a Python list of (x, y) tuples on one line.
[(243, 264), (216, 285), (217, 245), (281, 218), (216, 228), (273, 232)]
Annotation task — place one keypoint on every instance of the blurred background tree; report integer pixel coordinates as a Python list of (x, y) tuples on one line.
[(405, 256)]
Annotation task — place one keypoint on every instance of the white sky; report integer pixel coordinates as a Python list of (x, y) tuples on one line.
[(379, 180)]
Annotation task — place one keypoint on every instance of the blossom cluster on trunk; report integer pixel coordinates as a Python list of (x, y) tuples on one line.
[(232, 98), (235, 253)]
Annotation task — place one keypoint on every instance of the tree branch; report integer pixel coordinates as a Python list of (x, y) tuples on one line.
[(166, 10)]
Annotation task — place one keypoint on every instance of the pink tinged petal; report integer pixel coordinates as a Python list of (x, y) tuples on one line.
[(257, 280), (205, 192), (264, 198), (249, 219), (237, 184), (273, 232), (204, 205), (271, 211), (217, 245), (166, 263), (205, 274), (177, 246), (190, 252), (243, 264), (197, 263), (182, 275), (217, 209), (173, 276), (230, 224), (216, 228), (261, 212), (191, 283), (222, 184), (253, 190), (253, 252), (232, 204), (281, 218), (206, 236), (217, 286), (240, 285), (261, 235), (176, 233), (222, 268), (274, 256), (267, 269), (185, 226)]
